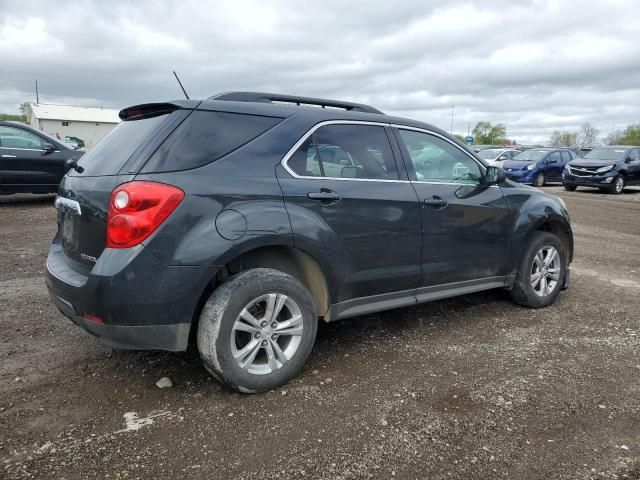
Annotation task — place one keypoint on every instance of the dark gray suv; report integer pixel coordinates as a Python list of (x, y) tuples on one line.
[(240, 220)]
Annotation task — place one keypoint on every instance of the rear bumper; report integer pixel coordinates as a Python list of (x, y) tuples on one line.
[(141, 303), (173, 337)]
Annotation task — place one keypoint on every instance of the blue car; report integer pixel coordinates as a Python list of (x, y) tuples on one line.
[(538, 166)]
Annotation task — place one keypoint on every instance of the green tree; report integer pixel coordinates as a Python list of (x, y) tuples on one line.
[(628, 136), (459, 137), (13, 118), (486, 134), (563, 138)]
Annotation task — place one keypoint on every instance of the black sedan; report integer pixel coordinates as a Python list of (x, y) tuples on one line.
[(608, 168), (32, 161)]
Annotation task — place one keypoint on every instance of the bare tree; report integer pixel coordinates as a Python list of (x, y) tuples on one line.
[(588, 135), (563, 138)]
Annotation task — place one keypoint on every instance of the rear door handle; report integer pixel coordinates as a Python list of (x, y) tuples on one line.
[(324, 196), (436, 201)]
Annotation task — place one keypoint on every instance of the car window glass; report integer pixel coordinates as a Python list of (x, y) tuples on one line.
[(635, 156), (355, 151), (17, 138), (346, 151), (566, 156), (554, 157), (305, 161), (437, 160)]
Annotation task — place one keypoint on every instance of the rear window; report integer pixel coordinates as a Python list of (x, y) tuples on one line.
[(205, 137), (113, 151)]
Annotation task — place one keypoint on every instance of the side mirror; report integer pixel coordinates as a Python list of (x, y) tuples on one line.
[(494, 176), (48, 148)]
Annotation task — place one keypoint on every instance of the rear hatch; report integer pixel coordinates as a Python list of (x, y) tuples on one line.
[(84, 193)]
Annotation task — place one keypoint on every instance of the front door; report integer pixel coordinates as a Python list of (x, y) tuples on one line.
[(345, 198), (553, 166), (634, 167), (466, 225)]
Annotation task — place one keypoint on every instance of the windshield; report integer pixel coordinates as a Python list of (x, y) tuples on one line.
[(606, 154), (489, 153), (530, 155)]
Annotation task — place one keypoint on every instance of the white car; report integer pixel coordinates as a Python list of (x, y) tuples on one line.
[(495, 156)]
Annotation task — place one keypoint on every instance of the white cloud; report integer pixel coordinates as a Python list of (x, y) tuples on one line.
[(535, 65)]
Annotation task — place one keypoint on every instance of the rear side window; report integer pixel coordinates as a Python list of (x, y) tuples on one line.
[(346, 151), (113, 151), (205, 137)]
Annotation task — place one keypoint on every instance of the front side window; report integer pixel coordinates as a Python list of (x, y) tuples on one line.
[(346, 151), (554, 157), (635, 156), (17, 138), (436, 160)]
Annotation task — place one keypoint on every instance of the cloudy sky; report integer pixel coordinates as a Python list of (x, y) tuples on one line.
[(535, 66)]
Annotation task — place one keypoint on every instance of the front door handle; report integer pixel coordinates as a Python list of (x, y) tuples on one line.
[(436, 201), (8, 156), (324, 195)]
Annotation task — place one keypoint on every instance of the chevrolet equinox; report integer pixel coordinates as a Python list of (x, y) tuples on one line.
[(239, 221)]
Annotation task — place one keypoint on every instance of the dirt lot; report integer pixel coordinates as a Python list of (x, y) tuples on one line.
[(472, 387)]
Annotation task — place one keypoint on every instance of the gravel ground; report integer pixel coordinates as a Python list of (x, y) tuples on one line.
[(472, 387)]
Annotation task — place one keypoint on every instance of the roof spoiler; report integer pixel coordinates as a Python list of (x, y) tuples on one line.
[(259, 97), (146, 110)]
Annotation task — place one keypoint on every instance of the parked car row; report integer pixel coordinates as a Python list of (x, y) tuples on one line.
[(609, 169)]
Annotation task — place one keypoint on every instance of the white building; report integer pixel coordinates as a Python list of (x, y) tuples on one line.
[(89, 124)]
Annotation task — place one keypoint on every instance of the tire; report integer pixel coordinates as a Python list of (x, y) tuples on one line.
[(523, 292), (223, 333), (618, 184), (570, 188), (539, 181)]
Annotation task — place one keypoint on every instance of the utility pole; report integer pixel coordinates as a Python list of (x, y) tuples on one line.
[(37, 96), (451, 129)]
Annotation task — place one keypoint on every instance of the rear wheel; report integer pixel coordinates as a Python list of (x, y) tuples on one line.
[(617, 186), (257, 330), (541, 272), (570, 188), (539, 180)]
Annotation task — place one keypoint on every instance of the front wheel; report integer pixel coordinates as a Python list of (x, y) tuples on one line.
[(539, 180), (541, 273), (617, 187), (257, 330)]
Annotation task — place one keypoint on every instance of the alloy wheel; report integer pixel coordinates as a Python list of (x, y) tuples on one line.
[(619, 184), (545, 272), (266, 333)]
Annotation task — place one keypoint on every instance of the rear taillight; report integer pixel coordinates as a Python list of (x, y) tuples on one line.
[(137, 209)]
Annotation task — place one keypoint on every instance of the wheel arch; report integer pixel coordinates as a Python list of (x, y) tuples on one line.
[(285, 258)]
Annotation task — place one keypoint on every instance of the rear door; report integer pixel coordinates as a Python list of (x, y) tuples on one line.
[(355, 208), (466, 226), (24, 161), (634, 167)]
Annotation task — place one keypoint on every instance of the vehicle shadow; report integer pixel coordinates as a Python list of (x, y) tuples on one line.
[(27, 199)]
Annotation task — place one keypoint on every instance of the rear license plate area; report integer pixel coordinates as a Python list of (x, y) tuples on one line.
[(69, 231)]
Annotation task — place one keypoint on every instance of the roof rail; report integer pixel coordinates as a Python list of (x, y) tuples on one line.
[(259, 97)]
